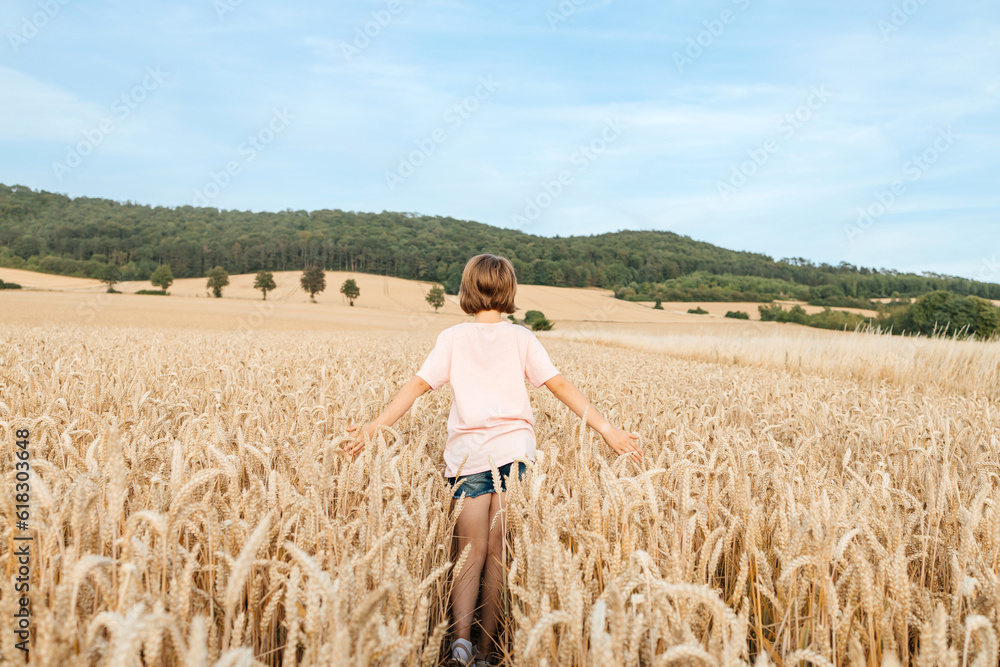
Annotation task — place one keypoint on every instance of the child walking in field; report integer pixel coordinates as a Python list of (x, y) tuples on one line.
[(487, 361)]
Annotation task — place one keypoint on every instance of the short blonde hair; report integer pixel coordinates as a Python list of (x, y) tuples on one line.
[(488, 283)]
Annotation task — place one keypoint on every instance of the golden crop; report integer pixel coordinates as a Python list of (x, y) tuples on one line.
[(191, 505)]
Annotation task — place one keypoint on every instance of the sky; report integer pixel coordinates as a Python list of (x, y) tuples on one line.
[(861, 131)]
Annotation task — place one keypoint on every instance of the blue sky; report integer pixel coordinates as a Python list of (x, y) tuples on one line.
[(851, 131)]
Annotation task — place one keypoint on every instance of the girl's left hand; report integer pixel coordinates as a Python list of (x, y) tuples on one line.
[(368, 430)]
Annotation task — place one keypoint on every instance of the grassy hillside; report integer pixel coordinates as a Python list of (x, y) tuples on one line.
[(54, 233)]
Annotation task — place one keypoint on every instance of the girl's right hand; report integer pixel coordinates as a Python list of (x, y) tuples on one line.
[(623, 442), (358, 444)]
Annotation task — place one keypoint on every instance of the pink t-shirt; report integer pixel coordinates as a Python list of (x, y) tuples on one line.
[(490, 416)]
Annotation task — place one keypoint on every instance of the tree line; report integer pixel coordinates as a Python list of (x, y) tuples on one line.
[(842, 289), (82, 236), (935, 313), (312, 281)]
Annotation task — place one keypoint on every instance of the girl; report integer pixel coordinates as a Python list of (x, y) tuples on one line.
[(487, 361)]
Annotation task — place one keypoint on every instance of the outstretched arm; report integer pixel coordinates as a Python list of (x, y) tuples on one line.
[(619, 440), (402, 402)]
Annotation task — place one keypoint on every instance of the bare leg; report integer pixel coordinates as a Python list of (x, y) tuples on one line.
[(472, 528), (493, 576)]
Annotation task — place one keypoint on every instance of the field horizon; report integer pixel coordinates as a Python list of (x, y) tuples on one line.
[(384, 302)]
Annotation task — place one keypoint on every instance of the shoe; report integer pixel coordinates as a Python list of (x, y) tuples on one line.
[(462, 653)]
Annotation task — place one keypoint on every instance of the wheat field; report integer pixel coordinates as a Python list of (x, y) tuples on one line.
[(191, 505)]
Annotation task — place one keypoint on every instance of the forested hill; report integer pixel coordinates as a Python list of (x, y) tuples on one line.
[(53, 233)]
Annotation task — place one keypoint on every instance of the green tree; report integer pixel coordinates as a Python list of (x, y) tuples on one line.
[(350, 289), (264, 281), (110, 276), (313, 281), (217, 279), (436, 297), (162, 277)]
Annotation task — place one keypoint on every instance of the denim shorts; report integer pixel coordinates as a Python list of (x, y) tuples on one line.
[(479, 483)]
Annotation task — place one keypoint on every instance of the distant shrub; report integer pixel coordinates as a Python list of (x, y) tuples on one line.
[(155, 292), (696, 294), (537, 321), (541, 325), (698, 311), (6, 285), (828, 319), (775, 313), (737, 315), (843, 302), (533, 315)]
